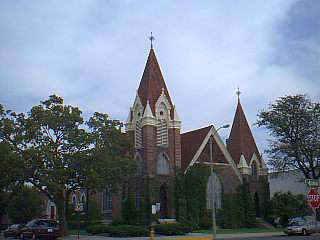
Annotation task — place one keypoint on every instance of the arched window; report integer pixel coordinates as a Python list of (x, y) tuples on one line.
[(74, 200), (217, 188), (83, 198), (163, 167), (254, 170)]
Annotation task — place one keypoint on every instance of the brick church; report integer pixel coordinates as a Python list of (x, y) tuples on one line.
[(161, 150)]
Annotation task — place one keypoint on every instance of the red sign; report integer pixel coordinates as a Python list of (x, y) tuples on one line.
[(313, 198)]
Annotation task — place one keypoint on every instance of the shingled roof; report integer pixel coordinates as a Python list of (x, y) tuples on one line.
[(190, 143), (241, 140), (152, 83)]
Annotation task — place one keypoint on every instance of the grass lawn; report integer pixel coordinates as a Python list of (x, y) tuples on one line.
[(241, 230)]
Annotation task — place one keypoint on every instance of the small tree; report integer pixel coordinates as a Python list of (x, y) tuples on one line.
[(9, 175), (286, 205), (294, 123), (25, 204)]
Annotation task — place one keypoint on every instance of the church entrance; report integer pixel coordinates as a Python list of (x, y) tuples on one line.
[(163, 202), (257, 204)]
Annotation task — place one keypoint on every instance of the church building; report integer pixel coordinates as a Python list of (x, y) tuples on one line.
[(162, 151)]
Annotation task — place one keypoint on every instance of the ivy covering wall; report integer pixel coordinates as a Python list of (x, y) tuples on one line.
[(191, 201)]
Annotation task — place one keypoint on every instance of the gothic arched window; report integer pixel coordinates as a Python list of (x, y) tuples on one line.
[(217, 188), (163, 167), (254, 170), (83, 198), (74, 200)]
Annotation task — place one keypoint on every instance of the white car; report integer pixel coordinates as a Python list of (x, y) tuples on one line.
[(303, 225)]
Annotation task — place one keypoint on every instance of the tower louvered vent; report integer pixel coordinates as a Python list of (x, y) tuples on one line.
[(138, 135), (162, 133)]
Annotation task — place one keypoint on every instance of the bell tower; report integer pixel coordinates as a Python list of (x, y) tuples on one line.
[(154, 123)]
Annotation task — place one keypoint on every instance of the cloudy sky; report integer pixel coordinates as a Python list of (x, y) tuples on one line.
[(92, 53)]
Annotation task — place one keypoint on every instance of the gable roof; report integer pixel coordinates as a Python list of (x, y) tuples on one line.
[(190, 143), (241, 140), (152, 83), (194, 143)]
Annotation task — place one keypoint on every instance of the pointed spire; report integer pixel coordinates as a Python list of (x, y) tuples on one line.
[(238, 94), (243, 165), (243, 162), (152, 83), (175, 114), (129, 116), (241, 140), (147, 111)]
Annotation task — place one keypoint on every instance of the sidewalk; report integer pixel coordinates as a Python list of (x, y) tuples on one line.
[(191, 236)]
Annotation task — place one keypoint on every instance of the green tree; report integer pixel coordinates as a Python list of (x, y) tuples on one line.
[(60, 155), (246, 206), (25, 204), (112, 155), (286, 205), (294, 124), (9, 175)]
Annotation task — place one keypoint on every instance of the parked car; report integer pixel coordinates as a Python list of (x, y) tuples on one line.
[(40, 229), (303, 226), (13, 231)]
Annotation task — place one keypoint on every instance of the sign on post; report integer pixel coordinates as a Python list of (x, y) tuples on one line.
[(313, 198), (154, 209), (313, 183)]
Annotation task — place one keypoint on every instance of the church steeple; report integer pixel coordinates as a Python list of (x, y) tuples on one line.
[(241, 140), (152, 83)]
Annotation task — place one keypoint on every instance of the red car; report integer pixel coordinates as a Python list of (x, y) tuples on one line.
[(40, 229), (13, 231)]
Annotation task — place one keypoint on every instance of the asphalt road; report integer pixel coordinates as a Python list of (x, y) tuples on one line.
[(283, 237), (311, 237)]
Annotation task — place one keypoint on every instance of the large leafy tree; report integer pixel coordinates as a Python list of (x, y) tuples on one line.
[(59, 153), (294, 124)]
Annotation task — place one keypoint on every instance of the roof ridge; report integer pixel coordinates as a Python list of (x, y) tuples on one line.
[(194, 130)]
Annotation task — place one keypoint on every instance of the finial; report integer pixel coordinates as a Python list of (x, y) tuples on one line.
[(238, 94), (151, 38)]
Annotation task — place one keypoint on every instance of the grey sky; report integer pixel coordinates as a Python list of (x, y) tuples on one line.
[(92, 53)]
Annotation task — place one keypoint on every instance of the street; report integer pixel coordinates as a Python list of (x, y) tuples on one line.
[(311, 237), (219, 237)]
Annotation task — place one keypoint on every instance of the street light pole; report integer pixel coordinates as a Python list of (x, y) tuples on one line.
[(214, 226)]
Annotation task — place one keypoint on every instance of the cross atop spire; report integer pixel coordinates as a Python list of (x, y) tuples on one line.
[(238, 94), (151, 38)]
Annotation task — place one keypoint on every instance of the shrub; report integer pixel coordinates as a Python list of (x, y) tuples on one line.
[(172, 229), (97, 229), (119, 230), (205, 222), (128, 231)]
